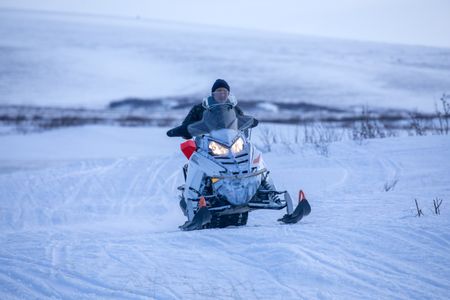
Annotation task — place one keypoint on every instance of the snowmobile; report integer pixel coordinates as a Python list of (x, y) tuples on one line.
[(226, 177)]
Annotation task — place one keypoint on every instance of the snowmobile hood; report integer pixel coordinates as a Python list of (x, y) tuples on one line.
[(224, 136)]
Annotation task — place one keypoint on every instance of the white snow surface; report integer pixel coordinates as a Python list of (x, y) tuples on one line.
[(74, 60), (101, 223)]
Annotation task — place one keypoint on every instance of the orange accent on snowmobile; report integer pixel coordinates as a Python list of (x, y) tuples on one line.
[(188, 148), (301, 196), (202, 202)]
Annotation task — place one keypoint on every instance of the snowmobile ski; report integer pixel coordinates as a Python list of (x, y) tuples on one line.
[(303, 209), (201, 218)]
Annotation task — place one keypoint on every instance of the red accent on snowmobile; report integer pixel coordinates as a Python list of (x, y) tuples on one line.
[(202, 202), (301, 196), (256, 160), (188, 148)]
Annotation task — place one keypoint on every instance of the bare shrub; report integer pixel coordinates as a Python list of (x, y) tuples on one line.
[(443, 115), (321, 137), (267, 138), (390, 132), (419, 210), (289, 141), (417, 124), (437, 204), (367, 127), (297, 135), (317, 135)]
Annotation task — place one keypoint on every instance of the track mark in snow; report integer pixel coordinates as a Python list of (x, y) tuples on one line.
[(74, 282)]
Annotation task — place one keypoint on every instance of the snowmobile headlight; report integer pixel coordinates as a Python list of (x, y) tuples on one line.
[(238, 146), (217, 149)]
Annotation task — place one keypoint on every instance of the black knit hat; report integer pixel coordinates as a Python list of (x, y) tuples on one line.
[(220, 83)]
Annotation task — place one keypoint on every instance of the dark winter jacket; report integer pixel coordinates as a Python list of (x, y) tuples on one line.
[(194, 115)]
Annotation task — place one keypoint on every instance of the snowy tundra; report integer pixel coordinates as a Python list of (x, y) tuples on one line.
[(74, 60), (92, 213)]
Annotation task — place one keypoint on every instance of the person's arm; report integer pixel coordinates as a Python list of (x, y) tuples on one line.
[(192, 116)]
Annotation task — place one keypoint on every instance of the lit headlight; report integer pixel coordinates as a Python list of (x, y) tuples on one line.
[(217, 149), (238, 146)]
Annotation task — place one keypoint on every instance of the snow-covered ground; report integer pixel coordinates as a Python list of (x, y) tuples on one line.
[(92, 212), (78, 60)]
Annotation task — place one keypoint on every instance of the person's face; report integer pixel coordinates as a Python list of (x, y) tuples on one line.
[(220, 95)]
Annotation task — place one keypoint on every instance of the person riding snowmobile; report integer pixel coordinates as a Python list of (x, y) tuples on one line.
[(220, 93), (225, 176)]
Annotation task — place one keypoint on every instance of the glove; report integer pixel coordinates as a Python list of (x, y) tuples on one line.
[(171, 133), (179, 131)]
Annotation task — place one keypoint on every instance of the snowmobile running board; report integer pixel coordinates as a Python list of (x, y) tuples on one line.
[(249, 205), (265, 206)]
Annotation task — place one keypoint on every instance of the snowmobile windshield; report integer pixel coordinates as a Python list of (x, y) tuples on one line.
[(218, 99), (220, 116)]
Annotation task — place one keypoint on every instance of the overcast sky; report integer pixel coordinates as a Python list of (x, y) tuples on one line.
[(418, 22)]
